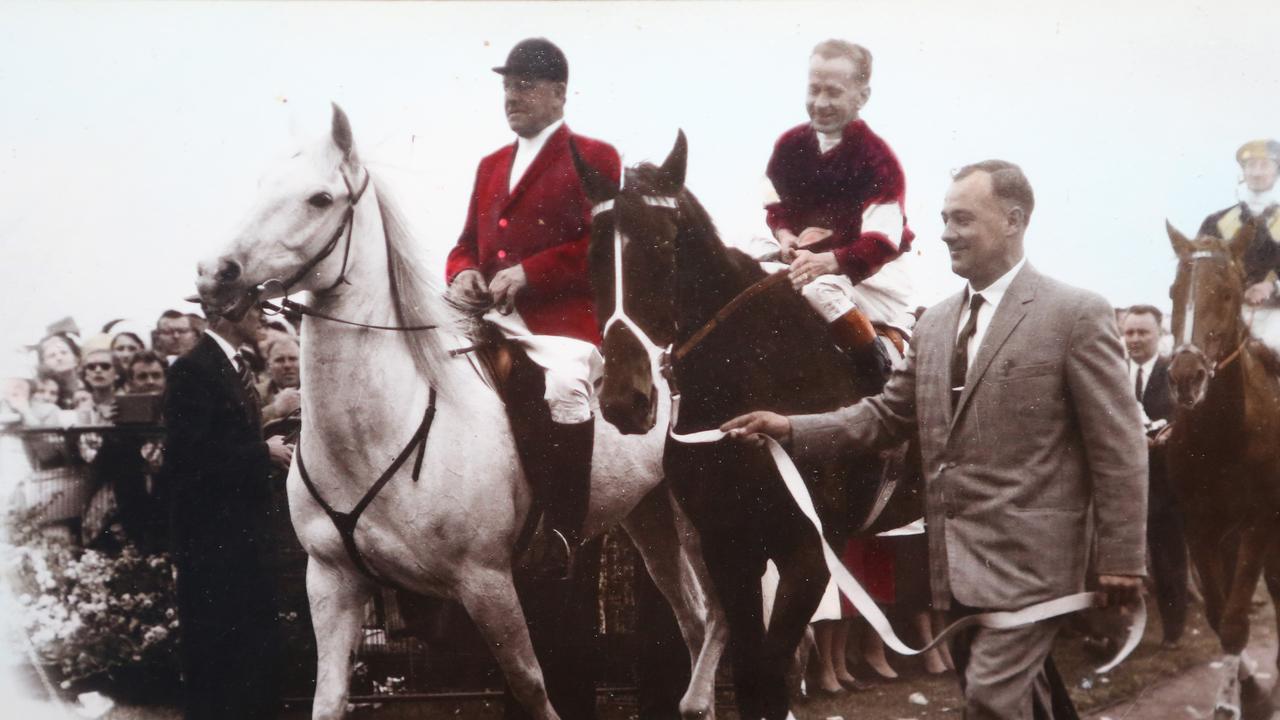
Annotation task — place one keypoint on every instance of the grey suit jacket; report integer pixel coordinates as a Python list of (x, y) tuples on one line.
[(1046, 429)]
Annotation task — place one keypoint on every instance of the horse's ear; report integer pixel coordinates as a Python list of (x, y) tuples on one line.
[(595, 184), (1181, 245), (1242, 240), (342, 136), (671, 174)]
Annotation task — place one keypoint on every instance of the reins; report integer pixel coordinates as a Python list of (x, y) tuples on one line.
[(730, 308), (277, 287)]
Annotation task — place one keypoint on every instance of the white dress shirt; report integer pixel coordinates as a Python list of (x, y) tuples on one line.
[(229, 351), (526, 150), (991, 296), (1147, 368)]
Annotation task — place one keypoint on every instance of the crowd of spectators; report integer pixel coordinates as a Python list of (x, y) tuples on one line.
[(91, 410)]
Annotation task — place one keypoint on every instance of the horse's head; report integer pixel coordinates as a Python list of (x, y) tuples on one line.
[(293, 235), (1207, 294), (634, 235)]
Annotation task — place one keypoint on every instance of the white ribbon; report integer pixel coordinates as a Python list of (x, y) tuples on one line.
[(857, 595)]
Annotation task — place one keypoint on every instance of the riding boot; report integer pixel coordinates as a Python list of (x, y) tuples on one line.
[(853, 333), (566, 499)]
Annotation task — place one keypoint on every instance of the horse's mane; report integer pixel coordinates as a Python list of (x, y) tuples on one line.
[(419, 301)]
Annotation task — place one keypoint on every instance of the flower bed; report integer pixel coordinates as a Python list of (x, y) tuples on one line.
[(97, 620)]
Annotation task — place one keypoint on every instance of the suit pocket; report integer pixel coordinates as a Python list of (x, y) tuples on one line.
[(1013, 371)]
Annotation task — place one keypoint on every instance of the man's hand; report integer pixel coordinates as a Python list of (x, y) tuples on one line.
[(787, 245), (751, 428), (1121, 590), (286, 401), (812, 236), (469, 288), (808, 266), (1259, 292), (281, 454), (506, 284)]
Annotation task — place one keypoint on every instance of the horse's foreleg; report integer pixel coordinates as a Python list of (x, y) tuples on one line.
[(1240, 690), (1206, 554), (673, 557), (1272, 575), (490, 599), (338, 605), (802, 580)]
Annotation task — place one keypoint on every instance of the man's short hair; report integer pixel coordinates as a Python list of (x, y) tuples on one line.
[(145, 357), (169, 315), (1007, 182), (1151, 310), (858, 55), (271, 346)]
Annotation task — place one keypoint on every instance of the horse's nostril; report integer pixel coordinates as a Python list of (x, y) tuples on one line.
[(229, 272)]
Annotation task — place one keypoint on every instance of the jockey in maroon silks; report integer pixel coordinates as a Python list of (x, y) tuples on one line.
[(524, 249), (835, 204)]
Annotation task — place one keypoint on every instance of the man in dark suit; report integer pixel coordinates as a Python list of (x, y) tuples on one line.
[(1166, 540), (1016, 389), (217, 463)]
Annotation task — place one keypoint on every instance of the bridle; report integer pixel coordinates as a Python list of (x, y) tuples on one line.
[(669, 355), (1187, 346), (277, 287), (619, 315)]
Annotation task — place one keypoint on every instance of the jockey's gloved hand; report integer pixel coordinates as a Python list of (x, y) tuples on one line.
[(469, 289)]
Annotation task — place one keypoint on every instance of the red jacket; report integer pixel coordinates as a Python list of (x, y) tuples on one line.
[(544, 223)]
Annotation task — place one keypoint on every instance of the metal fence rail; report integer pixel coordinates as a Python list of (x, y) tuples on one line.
[(49, 475)]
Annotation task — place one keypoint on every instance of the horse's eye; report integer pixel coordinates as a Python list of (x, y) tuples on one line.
[(321, 200)]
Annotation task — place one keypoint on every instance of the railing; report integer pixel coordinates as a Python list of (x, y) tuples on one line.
[(49, 471)]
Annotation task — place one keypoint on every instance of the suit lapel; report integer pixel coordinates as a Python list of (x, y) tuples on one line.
[(1011, 311), (941, 377), (226, 370), (556, 144)]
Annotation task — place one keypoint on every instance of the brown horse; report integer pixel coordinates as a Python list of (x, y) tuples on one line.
[(1223, 451)]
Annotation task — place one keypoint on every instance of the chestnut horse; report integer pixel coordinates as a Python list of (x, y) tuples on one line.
[(772, 352), (1224, 450)]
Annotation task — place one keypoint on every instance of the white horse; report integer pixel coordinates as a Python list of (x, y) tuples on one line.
[(322, 226)]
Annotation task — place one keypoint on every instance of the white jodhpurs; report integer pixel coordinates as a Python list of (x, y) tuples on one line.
[(884, 297), (572, 366)]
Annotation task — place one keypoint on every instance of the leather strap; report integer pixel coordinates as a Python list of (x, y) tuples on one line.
[(723, 313)]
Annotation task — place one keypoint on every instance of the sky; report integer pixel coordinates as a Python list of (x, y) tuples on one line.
[(132, 135)]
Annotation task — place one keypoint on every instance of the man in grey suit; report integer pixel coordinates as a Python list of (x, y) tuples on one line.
[(1028, 427)]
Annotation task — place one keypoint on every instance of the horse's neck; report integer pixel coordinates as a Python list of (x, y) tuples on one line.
[(708, 279), (358, 383)]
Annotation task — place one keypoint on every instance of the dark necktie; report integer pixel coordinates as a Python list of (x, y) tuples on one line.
[(1137, 385), (960, 358), (246, 378)]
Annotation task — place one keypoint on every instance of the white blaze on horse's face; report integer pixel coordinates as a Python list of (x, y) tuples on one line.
[(302, 205)]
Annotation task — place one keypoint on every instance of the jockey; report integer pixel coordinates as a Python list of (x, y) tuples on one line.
[(1259, 162), (524, 251), (834, 201)]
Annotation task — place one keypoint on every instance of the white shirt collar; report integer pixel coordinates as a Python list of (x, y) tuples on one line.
[(226, 348), (827, 141), (1147, 368), (994, 292), (527, 149), (1258, 202)]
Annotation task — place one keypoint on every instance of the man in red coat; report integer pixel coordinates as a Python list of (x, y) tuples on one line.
[(835, 205), (524, 250)]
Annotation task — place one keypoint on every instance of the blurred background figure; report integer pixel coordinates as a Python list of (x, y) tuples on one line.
[(59, 358), (281, 397)]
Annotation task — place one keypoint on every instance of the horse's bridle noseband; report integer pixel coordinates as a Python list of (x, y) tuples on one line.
[(1189, 347), (619, 312)]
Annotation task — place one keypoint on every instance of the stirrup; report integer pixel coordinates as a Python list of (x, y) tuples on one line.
[(570, 552)]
